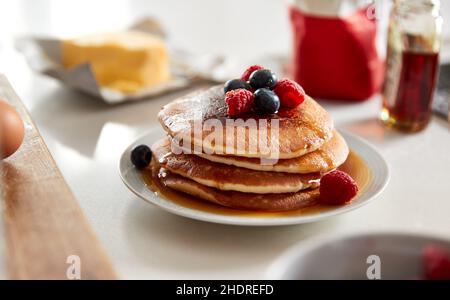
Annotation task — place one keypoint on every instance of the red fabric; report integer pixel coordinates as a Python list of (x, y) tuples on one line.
[(336, 58)]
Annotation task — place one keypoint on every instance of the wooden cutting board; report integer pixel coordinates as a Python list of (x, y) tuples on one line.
[(47, 235)]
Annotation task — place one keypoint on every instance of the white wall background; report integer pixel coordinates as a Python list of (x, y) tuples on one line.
[(198, 25)]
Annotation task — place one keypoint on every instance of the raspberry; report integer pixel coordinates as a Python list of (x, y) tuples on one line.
[(337, 187), (239, 101), (249, 72), (436, 263), (291, 94)]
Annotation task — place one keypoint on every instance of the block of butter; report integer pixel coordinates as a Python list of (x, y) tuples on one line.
[(124, 61)]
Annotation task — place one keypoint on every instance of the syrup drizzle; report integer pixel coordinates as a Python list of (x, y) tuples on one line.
[(354, 166)]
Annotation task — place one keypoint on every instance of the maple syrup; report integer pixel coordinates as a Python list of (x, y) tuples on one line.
[(410, 108), (414, 42), (355, 166)]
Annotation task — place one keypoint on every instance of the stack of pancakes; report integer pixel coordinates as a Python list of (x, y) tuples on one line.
[(307, 142)]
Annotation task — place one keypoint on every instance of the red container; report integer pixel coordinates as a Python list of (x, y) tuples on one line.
[(336, 57)]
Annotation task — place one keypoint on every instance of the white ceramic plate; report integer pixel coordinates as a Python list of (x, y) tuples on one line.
[(400, 256), (375, 162)]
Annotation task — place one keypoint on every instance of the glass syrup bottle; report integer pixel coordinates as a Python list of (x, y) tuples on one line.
[(414, 42)]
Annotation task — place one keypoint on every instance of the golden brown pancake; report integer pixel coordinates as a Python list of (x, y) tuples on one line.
[(230, 178), (330, 156), (239, 200), (301, 130)]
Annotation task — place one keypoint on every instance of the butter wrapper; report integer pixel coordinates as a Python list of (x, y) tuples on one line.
[(44, 56)]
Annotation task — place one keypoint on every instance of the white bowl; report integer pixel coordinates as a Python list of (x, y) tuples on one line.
[(352, 257)]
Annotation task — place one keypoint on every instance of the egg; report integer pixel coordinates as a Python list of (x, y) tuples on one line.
[(12, 130)]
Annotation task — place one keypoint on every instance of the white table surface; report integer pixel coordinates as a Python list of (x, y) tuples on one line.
[(86, 138)]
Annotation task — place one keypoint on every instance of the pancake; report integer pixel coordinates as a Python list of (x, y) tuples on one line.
[(230, 178), (330, 156), (301, 130), (238, 200)]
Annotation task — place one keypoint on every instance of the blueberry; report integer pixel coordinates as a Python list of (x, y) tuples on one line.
[(263, 79), (235, 84), (266, 101), (141, 156)]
